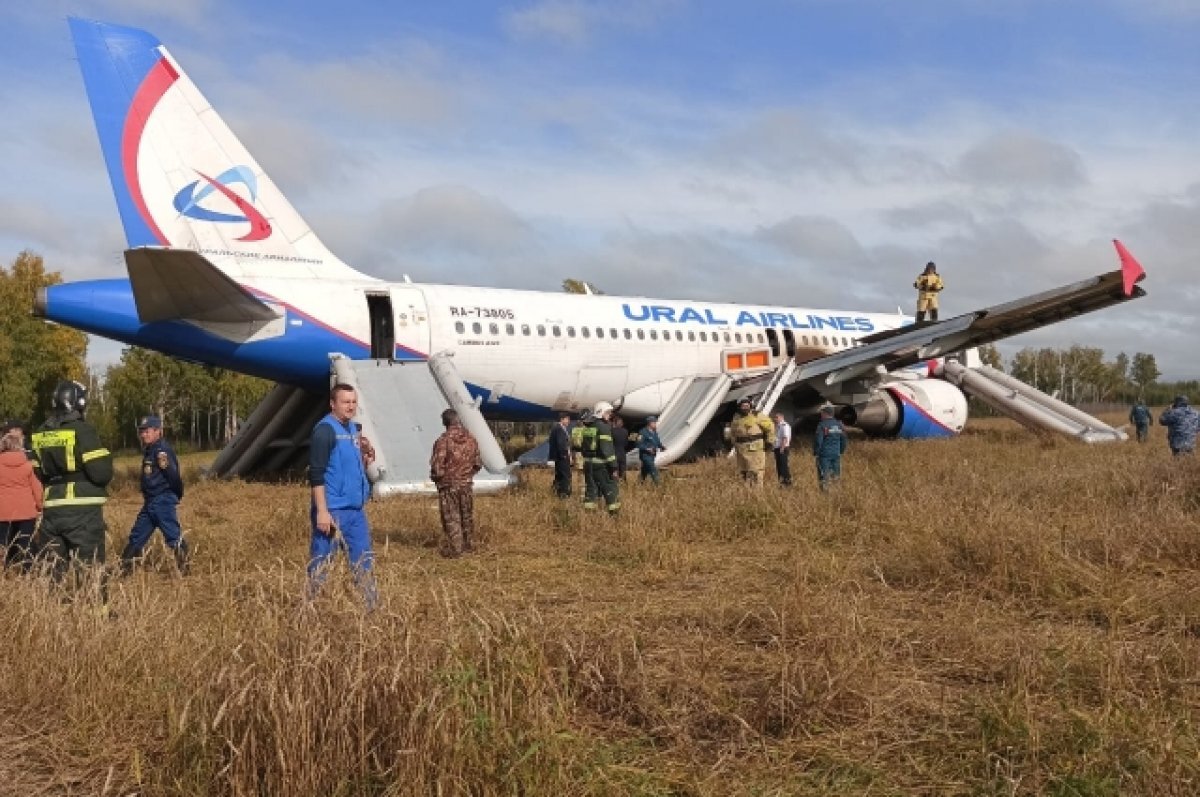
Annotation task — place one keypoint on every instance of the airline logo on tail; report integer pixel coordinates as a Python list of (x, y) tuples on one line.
[(188, 201)]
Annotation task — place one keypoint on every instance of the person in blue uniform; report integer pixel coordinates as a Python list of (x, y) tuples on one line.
[(338, 459), (1140, 417), (162, 489), (1182, 424), (648, 446), (829, 443)]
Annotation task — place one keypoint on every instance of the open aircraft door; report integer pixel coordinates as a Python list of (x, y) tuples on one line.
[(399, 323)]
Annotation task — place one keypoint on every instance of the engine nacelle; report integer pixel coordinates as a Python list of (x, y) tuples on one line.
[(916, 409)]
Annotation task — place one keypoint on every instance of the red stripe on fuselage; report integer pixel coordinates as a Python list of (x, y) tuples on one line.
[(160, 78)]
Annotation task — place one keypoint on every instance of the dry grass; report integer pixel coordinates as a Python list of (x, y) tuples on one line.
[(995, 614)]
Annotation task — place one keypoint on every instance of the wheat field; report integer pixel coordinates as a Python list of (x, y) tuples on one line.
[(996, 614)]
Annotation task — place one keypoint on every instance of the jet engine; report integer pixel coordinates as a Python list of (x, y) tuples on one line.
[(916, 409)]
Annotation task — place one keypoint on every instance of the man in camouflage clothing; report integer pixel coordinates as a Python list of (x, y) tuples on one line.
[(1182, 424), (452, 467)]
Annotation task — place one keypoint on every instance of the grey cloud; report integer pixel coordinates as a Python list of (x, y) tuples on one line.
[(451, 218), (298, 158), (816, 238), (928, 214), (789, 144), (1022, 160)]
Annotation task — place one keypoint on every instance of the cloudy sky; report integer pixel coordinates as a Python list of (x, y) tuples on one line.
[(806, 152)]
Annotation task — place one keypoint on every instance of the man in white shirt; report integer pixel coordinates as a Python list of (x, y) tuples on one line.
[(783, 446)]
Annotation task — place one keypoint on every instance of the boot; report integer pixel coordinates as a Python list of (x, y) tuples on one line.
[(920, 316), (183, 557), (128, 557), (933, 314)]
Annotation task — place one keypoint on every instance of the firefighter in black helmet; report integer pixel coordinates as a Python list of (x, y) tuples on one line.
[(75, 469)]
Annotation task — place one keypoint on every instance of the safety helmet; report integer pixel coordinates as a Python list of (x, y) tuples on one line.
[(69, 396), (585, 416), (601, 409), (1180, 400)]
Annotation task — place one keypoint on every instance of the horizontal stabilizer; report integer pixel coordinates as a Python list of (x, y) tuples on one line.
[(181, 285)]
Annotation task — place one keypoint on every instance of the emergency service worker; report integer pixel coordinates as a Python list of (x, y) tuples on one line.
[(1139, 416), (648, 446), (829, 443), (1182, 424), (928, 285), (162, 489), (338, 459), (751, 434), (452, 467), (600, 460), (75, 469)]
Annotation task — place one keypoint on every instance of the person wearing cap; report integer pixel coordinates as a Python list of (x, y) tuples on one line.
[(1182, 424), (783, 448), (928, 285), (452, 467), (162, 489), (751, 433), (20, 498), (75, 469), (560, 455), (648, 446), (829, 443)]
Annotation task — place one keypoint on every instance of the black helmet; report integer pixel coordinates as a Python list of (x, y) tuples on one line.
[(69, 396)]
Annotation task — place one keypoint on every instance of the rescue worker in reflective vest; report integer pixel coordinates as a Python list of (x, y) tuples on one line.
[(928, 286), (75, 469), (751, 433), (162, 489), (600, 460), (1140, 417), (829, 443)]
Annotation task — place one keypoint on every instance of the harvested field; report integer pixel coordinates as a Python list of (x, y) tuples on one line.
[(992, 615)]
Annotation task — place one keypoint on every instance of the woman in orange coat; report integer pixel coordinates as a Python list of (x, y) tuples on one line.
[(20, 500)]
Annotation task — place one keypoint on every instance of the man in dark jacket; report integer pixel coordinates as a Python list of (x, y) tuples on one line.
[(75, 469), (560, 455), (620, 439), (452, 467), (162, 489)]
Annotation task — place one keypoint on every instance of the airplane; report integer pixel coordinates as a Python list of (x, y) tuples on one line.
[(223, 270)]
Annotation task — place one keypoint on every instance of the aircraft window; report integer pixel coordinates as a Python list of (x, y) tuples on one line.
[(494, 329), (599, 332), (628, 335), (654, 334), (460, 327), (641, 334), (825, 339), (691, 335), (703, 336), (585, 331), (679, 334), (509, 329), (541, 331), (477, 328), (570, 332), (727, 337), (525, 330), (612, 333), (557, 331), (737, 336)]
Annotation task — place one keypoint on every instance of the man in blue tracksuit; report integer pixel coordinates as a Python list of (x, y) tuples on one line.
[(338, 458), (648, 446), (162, 489), (829, 443)]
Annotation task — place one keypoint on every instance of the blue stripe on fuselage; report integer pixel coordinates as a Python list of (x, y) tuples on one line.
[(298, 357)]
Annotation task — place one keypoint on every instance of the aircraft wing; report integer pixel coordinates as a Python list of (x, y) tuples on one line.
[(905, 346), (182, 285)]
